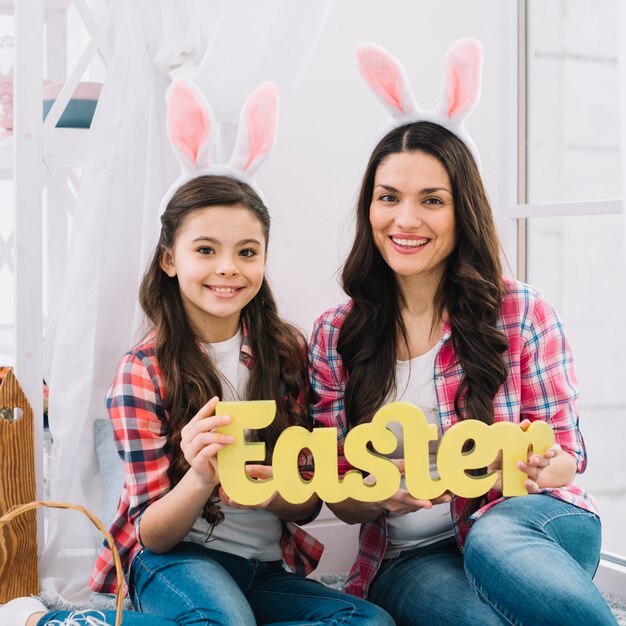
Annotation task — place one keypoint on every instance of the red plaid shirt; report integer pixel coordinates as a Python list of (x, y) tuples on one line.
[(541, 384), (135, 405)]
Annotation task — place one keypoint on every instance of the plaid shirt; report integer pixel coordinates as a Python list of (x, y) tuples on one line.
[(135, 405), (541, 385)]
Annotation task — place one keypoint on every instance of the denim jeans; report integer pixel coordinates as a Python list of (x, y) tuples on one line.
[(195, 585), (527, 561), (98, 618)]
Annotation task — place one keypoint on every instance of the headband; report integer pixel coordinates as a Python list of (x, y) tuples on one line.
[(191, 124), (388, 80)]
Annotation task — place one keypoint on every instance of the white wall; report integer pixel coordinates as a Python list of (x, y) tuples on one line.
[(327, 130)]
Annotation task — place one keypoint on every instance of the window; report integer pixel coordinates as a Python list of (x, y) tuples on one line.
[(572, 232)]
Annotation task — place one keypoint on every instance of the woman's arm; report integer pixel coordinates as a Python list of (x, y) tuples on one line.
[(549, 392), (276, 504)]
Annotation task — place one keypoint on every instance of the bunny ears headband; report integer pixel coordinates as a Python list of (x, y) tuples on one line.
[(191, 124), (387, 78)]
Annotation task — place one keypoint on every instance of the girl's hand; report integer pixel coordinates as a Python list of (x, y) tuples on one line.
[(402, 501), (535, 465), (261, 472), (200, 442)]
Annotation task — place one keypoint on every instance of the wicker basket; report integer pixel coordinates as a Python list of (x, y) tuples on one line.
[(23, 508)]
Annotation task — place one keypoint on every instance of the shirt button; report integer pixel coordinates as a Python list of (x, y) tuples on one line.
[(441, 378)]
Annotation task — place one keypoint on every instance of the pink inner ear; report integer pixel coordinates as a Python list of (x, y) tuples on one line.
[(261, 121), (187, 121), (463, 76), (383, 74)]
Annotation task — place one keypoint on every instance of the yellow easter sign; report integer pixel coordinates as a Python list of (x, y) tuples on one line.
[(453, 462)]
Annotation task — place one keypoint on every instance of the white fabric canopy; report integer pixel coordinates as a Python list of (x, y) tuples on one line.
[(228, 47)]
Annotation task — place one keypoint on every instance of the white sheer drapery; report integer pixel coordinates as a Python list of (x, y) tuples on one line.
[(228, 47)]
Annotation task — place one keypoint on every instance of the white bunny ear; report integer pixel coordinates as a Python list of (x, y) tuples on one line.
[(190, 122), (258, 124), (462, 79), (387, 78)]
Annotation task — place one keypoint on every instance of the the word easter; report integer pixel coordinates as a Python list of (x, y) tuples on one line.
[(466, 446)]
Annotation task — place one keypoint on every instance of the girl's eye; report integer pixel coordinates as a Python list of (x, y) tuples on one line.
[(387, 197), (248, 253), (206, 250)]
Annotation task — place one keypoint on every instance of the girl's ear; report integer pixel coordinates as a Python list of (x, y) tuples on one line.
[(258, 124), (387, 78), (167, 262), (462, 79), (190, 122)]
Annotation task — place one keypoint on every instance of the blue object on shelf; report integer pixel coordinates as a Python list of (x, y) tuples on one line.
[(78, 113)]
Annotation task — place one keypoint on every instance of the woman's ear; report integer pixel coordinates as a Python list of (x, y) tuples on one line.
[(167, 262)]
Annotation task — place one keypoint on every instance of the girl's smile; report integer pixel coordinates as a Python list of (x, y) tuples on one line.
[(219, 260)]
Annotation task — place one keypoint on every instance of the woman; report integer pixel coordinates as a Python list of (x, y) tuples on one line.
[(432, 321)]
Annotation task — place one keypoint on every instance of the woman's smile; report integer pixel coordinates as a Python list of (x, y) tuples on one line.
[(412, 215)]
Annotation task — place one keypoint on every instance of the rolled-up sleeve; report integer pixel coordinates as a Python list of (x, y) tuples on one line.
[(548, 380), (140, 430)]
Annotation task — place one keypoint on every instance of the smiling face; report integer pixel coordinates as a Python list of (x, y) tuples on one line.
[(412, 217), (218, 257)]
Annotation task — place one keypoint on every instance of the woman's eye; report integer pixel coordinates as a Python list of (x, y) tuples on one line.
[(433, 201), (248, 252), (387, 197), (206, 250)]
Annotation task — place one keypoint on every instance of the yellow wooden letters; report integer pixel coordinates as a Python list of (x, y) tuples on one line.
[(468, 445)]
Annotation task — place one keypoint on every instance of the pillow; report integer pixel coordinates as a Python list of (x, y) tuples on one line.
[(111, 469)]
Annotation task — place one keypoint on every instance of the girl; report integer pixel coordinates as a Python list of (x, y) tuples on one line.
[(432, 321), (191, 555)]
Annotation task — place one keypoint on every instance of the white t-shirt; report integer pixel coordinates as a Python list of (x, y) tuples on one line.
[(415, 384), (233, 373), (245, 532)]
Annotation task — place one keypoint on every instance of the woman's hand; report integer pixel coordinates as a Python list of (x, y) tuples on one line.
[(402, 502), (276, 504), (537, 466), (553, 469), (200, 442)]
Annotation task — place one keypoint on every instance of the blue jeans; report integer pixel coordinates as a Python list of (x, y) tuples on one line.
[(527, 561), (195, 585), (93, 617)]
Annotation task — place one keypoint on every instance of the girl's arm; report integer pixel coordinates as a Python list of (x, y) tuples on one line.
[(167, 521)]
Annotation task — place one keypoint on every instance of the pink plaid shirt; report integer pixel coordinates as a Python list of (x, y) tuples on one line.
[(135, 404), (541, 385)]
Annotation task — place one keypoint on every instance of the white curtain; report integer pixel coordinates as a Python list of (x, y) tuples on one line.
[(228, 47)]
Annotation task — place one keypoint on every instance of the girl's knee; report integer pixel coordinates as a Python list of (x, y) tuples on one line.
[(371, 614)]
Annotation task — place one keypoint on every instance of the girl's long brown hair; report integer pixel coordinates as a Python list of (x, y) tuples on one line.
[(470, 291), (190, 377)]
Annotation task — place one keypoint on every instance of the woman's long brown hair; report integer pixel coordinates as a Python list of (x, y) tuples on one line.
[(190, 377), (470, 291)]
